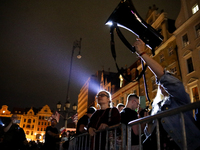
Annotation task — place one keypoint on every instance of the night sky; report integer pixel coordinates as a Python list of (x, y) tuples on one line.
[(36, 39)]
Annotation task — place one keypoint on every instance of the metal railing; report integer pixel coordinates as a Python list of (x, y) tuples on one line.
[(118, 137)]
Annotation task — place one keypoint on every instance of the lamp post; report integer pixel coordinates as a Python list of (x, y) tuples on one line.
[(66, 110), (76, 44)]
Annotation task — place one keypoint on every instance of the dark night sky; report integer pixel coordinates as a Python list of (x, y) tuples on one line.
[(36, 39)]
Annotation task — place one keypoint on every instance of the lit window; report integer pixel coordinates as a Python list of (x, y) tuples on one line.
[(185, 40), (121, 80), (173, 70), (195, 8), (190, 65), (195, 94), (197, 29)]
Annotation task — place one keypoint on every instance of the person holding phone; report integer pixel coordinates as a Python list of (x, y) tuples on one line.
[(14, 136)]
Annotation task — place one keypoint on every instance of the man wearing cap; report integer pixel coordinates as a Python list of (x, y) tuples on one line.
[(84, 121)]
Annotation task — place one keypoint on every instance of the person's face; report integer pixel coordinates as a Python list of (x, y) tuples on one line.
[(103, 98), (120, 108), (53, 122), (67, 133), (136, 103), (14, 118)]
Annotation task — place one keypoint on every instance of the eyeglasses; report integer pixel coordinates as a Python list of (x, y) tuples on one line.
[(102, 95)]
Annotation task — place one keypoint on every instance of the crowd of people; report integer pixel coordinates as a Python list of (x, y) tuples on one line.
[(170, 94)]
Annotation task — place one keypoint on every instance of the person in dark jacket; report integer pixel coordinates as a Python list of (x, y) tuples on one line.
[(104, 117), (84, 121)]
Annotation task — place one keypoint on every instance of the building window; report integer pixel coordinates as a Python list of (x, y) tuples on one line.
[(122, 100), (42, 123), (45, 123), (24, 120), (190, 65), (121, 80), (185, 40), (31, 132), (39, 117), (117, 102), (195, 8), (32, 126), (195, 94), (23, 125), (197, 29), (33, 120), (27, 132), (27, 126), (173, 70), (29, 120), (38, 123), (38, 129), (170, 50), (162, 58)]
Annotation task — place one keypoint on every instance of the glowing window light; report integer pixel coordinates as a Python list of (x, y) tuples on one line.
[(195, 8)]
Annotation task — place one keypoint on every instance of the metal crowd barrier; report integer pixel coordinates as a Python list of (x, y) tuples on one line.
[(118, 142)]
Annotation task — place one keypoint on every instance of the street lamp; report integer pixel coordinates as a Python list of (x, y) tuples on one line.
[(66, 110), (76, 44)]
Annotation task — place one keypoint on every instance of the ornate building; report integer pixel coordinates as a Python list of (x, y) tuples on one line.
[(165, 54), (187, 38), (33, 121)]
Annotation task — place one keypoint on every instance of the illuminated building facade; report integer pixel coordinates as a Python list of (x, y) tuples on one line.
[(188, 42), (33, 121)]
